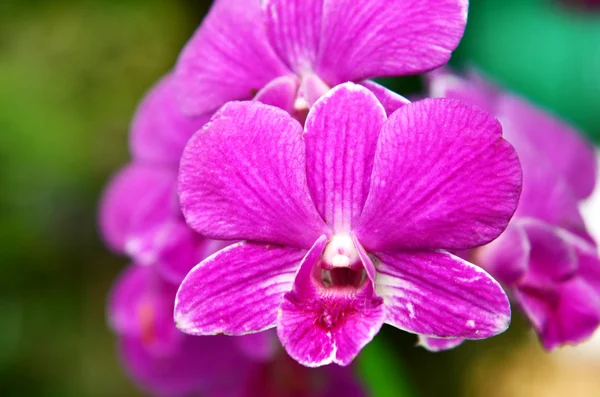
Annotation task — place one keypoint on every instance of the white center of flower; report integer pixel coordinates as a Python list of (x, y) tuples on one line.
[(340, 267), (340, 252), (301, 104)]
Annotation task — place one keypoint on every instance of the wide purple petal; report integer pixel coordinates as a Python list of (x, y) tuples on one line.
[(442, 177), (341, 134), (244, 177), (365, 39), (507, 257), (125, 195), (319, 326), (568, 313), (438, 294), (388, 98), (228, 58), (294, 27), (439, 344), (159, 130), (199, 365), (237, 290), (568, 152)]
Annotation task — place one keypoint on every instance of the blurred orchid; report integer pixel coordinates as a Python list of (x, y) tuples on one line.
[(166, 362), (346, 225), (288, 53), (545, 257), (157, 356), (140, 213)]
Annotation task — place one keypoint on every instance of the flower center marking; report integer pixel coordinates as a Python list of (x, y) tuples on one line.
[(340, 265), (146, 317)]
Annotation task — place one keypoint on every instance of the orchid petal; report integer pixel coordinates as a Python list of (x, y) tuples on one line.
[(244, 177), (551, 258), (237, 290), (438, 294), (442, 177), (587, 258), (228, 58), (159, 130), (390, 100), (364, 39), (318, 327), (507, 257), (567, 151), (475, 90), (568, 314), (294, 27), (439, 344), (341, 134), (128, 190), (546, 194)]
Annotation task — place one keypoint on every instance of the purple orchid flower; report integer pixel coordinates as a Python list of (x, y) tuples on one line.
[(162, 360), (346, 225), (545, 257), (140, 213), (166, 362), (288, 53)]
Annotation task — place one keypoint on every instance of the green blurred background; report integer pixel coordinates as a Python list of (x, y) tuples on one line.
[(71, 73)]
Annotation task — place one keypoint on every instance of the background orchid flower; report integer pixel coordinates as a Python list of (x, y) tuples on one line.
[(160, 358), (166, 362), (288, 53), (346, 225), (139, 212), (545, 257)]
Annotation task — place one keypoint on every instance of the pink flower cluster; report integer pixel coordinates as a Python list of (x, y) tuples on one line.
[(275, 186)]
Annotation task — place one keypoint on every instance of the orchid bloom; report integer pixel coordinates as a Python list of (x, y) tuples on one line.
[(140, 213), (545, 257), (160, 358), (165, 362), (287, 53), (347, 224)]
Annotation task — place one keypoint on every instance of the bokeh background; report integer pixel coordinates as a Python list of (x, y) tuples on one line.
[(71, 73)]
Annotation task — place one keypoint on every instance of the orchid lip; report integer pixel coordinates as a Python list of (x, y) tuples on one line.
[(343, 278)]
